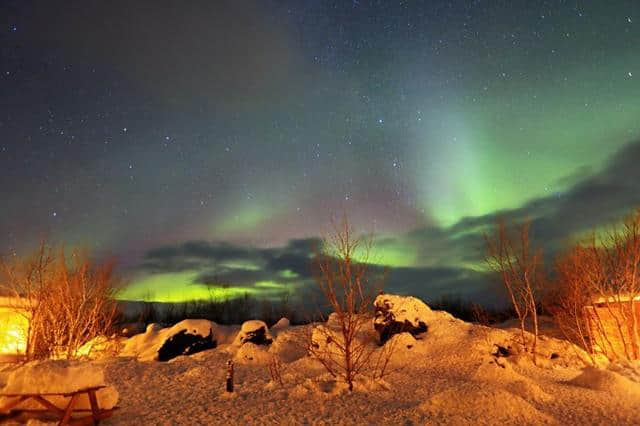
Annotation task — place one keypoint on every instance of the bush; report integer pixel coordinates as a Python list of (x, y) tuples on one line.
[(69, 301)]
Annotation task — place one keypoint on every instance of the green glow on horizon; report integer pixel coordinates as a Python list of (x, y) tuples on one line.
[(181, 287), (177, 287)]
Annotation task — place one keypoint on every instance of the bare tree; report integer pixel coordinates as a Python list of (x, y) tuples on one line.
[(68, 302), (596, 290), (509, 254), (345, 346)]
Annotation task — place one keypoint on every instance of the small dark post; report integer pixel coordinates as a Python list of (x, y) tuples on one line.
[(229, 376)]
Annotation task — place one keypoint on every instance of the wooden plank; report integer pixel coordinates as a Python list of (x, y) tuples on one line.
[(54, 393), (68, 411), (95, 411), (7, 407), (47, 404)]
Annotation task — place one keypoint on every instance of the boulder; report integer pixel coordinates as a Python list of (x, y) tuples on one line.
[(132, 328), (399, 314), (185, 343), (185, 338), (255, 332), (281, 324)]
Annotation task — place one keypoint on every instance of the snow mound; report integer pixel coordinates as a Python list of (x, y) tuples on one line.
[(407, 308), (254, 331), (397, 314), (290, 345), (281, 324), (53, 376), (187, 337), (499, 373), (482, 405), (250, 353), (59, 376), (607, 381)]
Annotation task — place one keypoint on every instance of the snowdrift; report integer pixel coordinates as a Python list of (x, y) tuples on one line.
[(442, 371), (59, 376)]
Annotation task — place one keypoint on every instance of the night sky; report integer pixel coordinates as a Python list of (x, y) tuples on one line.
[(210, 142)]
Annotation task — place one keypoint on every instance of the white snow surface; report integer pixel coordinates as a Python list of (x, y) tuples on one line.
[(447, 376), (59, 376), (281, 324), (405, 308)]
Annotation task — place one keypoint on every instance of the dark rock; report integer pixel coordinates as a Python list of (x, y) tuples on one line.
[(501, 351), (255, 332), (389, 327), (183, 343), (258, 337)]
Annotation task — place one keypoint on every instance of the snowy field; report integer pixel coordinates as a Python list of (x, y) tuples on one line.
[(452, 374)]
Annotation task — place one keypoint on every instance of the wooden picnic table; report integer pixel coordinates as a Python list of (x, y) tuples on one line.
[(96, 415)]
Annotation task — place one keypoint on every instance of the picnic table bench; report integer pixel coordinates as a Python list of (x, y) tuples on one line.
[(96, 415)]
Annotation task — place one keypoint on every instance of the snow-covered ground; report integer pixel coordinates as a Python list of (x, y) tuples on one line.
[(448, 376)]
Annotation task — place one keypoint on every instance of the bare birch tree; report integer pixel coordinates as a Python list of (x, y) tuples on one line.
[(521, 271), (343, 276)]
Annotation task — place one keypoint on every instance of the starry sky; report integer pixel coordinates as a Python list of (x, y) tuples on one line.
[(207, 144)]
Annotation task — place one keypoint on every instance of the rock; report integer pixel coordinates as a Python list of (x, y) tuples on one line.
[(185, 343), (132, 328), (255, 332), (185, 338), (282, 323), (398, 314)]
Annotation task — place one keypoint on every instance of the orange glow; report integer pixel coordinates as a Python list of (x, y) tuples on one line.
[(13, 330)]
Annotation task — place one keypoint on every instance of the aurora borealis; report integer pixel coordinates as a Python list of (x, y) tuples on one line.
[(206, 144)]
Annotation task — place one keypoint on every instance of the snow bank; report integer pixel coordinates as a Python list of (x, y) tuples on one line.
[(254, 331), (281, 324), (59, 376), (608, 381), (250, 353), (290, 344), (146, 346), (396, 314), (482, 405)]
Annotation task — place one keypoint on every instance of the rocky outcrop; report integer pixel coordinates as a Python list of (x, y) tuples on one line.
[(255, 332), (400, 314)]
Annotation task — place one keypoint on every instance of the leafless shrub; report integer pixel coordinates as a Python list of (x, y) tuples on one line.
[(594, 303), (345, 345), (69, 300), (509, 254), (382, 361)]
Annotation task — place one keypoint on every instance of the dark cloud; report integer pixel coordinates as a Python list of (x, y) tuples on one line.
[(447, 254), (595, 200)]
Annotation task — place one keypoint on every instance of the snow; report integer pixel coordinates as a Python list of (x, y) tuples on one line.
[(145, 346), (59, 376), (250, 327), (405, 308), (451, 374), (281, 324)]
